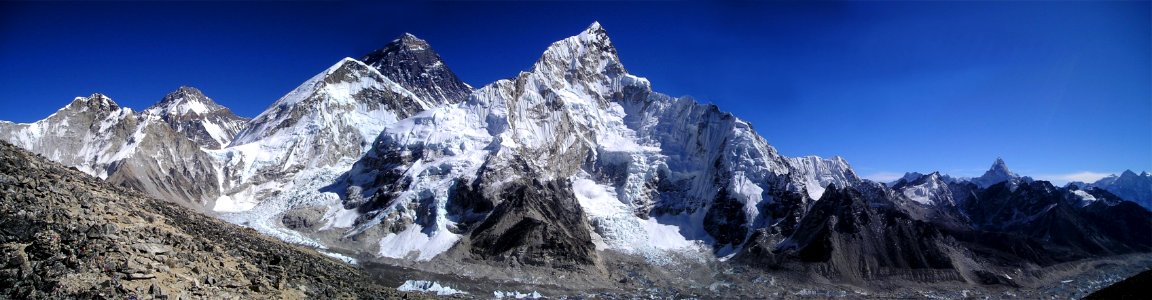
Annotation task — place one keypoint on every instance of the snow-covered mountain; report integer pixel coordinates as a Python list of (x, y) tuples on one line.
[(394, 156), (197, 117), (90, 133), (321, 126), (159, 150), (817, 173), (1129, 186), (650, 172), (931, 189)]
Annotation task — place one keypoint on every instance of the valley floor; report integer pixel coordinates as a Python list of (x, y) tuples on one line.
[(631, 277)]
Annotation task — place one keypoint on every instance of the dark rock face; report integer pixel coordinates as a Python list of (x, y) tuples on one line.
[(857, 239), (1059, 230), (411, 62), (64, 234), (725, 221), (539, 224)]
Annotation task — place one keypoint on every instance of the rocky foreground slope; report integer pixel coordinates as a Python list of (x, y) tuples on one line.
[(64, 234)]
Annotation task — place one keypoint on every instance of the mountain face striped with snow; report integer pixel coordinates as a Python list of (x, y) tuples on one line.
[(90, 133), (197, 117), (159, 150)]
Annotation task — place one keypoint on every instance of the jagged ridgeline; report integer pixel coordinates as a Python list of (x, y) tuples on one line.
[(574, 165)]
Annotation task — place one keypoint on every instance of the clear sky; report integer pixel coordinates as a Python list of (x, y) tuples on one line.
[(1060, 90)]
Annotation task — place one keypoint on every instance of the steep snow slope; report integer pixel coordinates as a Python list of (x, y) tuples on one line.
[(320, 127)]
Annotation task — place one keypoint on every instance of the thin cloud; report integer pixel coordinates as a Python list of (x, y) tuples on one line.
[(883, 176), (1061, 179)]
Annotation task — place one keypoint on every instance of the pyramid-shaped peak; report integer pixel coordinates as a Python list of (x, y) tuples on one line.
[(412, 63), (999, 167), (595, 33), (1128, 173), (998, 173), (406, 42), (182, 94), (590, 50), (408, 37), (185, 100)]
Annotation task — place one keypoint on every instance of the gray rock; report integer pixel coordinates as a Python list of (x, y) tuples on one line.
[(151, 248)]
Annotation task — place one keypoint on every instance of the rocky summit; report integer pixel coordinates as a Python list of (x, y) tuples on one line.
[(64, 234)]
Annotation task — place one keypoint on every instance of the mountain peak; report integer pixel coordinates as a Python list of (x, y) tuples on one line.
[(595, 28), (96, 101), (998, 173), (185, 100), (596, 34), (591, 51), (409, 42), (412, 63), (1128, 173)]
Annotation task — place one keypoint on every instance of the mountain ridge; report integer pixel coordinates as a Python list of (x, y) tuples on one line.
[(373, 157)]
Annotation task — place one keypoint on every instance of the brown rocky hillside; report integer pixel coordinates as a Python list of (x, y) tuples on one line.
[(64, 234)]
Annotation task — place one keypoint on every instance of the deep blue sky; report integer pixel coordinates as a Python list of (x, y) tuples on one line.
[(1055, 88)]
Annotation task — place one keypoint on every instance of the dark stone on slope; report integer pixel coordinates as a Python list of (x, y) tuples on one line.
[(538, 223)]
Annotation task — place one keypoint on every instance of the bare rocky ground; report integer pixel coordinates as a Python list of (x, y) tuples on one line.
[(64, 234), (629, 277)]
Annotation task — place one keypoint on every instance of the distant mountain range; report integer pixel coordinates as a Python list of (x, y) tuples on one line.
[(570, 166)]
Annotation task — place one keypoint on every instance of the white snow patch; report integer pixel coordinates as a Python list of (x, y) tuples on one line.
[(414, 241), (218, 134), (426, 286), (341, 257), (1085, 197), (338, 217), (516, 295), (616, 227)]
